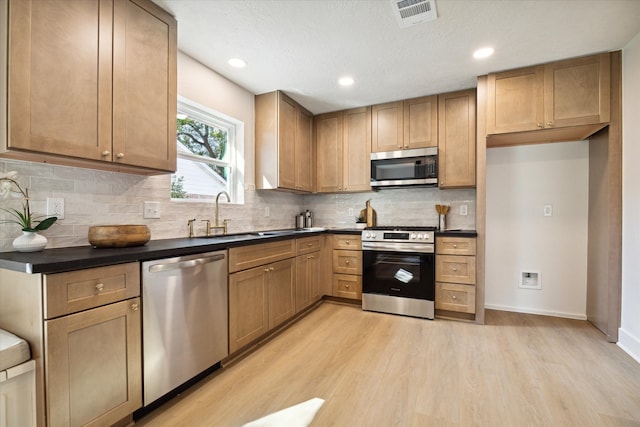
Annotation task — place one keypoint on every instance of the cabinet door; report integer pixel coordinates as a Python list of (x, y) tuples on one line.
[(347, 262), (357, 149), (304, 166), (387, 127), (248, 317), (457, 139), (286, 142), (144, 85), (515, 100), (328, 136), (307, 280), (281, 290), (315, 277), (577, 91), (421, 122), (60, 77), (93, 365), (456, 269)]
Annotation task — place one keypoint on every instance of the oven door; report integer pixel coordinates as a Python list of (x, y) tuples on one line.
[(402, 274)]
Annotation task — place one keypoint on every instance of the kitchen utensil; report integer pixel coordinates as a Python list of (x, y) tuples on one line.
[(118, 236)]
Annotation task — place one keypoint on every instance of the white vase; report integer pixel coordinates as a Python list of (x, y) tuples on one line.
[(30, 241)]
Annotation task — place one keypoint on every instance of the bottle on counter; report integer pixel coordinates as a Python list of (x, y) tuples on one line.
[(308, 219)]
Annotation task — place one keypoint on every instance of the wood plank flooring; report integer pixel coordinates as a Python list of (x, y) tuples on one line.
[(382, 370)]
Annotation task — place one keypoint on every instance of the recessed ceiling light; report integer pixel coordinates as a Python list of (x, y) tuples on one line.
[(485, 52), (237, 62), (345, 81)]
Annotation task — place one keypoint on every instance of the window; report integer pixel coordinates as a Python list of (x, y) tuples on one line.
[(210, 154)]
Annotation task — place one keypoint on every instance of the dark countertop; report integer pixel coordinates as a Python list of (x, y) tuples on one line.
[(457, 233), (78, 257)]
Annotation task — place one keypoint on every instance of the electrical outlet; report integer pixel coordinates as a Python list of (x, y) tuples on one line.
[(266, 211), (464, 210), (151, 210), (548, 210), (55, 207), (350, 212)]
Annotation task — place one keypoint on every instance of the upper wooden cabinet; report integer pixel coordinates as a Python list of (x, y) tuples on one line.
[(343, 144), (92, 80), (553, 97), (407, 124), (457, 139), (283, 144)]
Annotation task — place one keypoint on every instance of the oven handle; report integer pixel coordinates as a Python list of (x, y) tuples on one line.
[(398, 247)]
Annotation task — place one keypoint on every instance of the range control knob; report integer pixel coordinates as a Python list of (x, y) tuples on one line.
[(420, 236), (413, 235), (367, 235)]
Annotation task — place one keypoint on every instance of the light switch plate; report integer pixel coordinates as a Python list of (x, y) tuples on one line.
[(548, 210), (151, 210), (55, 207), (464, 210)]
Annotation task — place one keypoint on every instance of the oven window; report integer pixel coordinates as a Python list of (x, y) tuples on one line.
[(402, 274)]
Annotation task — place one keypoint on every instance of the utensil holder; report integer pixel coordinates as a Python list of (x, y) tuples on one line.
[(442, 224)]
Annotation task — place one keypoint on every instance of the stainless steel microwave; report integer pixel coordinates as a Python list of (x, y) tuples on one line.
[(418, 166)]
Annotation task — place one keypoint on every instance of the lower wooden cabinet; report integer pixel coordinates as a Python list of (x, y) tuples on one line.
[(260, 299), (453, 297), (347, 266), (347, 286), (456, 274), (93, 365), (308, 286)]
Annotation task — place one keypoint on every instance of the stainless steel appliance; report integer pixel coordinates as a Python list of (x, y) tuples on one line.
[(398, 270), (184, 319), (418, 166)]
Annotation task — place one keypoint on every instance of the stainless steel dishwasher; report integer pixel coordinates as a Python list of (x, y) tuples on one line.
[(184, 319)]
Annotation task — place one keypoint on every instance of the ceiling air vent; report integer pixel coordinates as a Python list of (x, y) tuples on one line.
[(411, 12)]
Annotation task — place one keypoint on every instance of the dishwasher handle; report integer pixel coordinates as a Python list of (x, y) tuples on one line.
[(157, 268)]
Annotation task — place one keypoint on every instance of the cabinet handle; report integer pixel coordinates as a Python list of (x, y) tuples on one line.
[(105, 153), (549, 124), (100, 287), (271, 268), (120, 155), (266, 270), (135, 307), (540, 125)]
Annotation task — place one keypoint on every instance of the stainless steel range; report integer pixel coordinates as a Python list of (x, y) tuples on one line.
[(398, 270)]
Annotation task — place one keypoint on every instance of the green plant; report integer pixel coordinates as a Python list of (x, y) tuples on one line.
[(361, 218), (24, 218)]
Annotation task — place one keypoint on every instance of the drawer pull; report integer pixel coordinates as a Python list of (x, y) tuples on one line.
[(454, 269), (454, 297), (347, 242), (100, 287), (347, 262), (309, 244), (455, 246), (346, 286), (135, 307)]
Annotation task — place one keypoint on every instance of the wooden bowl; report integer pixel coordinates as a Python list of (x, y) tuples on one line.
[(118, 236)]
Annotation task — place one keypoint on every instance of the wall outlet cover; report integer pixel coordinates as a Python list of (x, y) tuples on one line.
[(55, 207), (151, 210)]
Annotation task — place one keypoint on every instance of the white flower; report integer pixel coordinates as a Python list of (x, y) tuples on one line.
[(6, 181)]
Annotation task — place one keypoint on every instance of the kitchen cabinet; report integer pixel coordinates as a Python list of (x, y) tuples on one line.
[(343, 146), (457, 139), (347, 266), (407, 124), (261, 290), (92, 84), (564, 100), (308, 271), (455, 274), (284, 150), (84, 330)]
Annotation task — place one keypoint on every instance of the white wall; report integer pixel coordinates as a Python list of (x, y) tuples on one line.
[(520, 181), (629, 333)]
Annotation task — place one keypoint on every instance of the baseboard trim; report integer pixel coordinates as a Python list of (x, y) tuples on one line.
[(629, 343), (536, 311)]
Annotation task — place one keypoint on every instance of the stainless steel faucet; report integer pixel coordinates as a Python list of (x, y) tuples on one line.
[(224, 222)]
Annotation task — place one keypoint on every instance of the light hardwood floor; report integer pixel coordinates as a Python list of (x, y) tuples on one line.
[(382, 370)]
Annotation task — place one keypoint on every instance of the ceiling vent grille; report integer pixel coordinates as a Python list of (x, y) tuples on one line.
[(412, 12)]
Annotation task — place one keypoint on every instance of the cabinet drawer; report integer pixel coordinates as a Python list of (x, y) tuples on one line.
[(455, 245), (308, 245), (452, 297), (349, 242), (79, 290), (254, 255), (347, 262), (456, 269), (347, 286)]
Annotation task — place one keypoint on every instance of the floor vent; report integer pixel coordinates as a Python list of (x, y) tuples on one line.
[(412, 12)]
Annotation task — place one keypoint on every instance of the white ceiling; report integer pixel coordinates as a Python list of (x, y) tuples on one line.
[(303, 46)]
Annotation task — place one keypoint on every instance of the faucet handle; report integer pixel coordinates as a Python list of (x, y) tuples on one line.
[(225, 223), (190, 225), (208, 221)]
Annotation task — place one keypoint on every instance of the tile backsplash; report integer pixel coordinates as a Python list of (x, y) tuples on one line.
[(93, 197)]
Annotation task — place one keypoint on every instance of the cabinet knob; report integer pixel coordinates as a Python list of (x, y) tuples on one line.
[(309, 244), (100, 287), (454, 269), (347, 242), (454, 297), (271, 268), (120, 155), (347, 262), (135, 307), (266, 270), (105, 153), (455, 246), (549, 124), (540, 125), (346, 286)]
